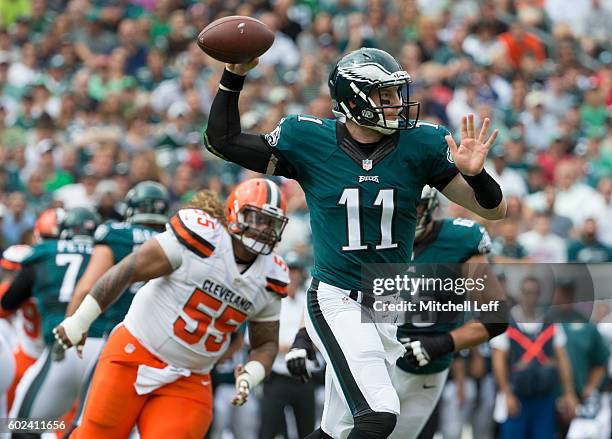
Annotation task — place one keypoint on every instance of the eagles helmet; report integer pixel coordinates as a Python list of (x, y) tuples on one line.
[(147, 203), (78, 221), (429, 201), (363, 72)]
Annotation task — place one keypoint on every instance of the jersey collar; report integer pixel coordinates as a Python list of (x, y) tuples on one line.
[(351, 148)]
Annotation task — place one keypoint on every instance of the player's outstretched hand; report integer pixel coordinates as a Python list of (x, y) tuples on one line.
[(242, 69), (242, 387), (470, 156), (301, 350), (66, 339)]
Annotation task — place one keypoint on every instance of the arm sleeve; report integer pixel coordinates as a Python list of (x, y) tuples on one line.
[(225, 139), (20, 289)]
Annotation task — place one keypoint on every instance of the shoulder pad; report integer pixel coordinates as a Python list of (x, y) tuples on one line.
[(472, 232), (196, 230), (277, 275), (41, 250)]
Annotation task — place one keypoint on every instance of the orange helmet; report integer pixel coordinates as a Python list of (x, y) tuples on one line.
[(47, 225), (13, 256), (255, 213)]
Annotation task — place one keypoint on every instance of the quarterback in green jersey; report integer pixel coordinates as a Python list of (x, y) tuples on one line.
[(51, 385), (362, 174)]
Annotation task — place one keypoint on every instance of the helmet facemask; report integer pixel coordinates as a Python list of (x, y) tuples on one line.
[(259, 229)]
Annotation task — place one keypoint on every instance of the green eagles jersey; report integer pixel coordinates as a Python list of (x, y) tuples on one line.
[(362, 208), (122, 239), (451, 241), (58, 264)]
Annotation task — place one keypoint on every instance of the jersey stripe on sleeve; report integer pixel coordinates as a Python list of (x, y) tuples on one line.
[(189, 239), (276, 286)]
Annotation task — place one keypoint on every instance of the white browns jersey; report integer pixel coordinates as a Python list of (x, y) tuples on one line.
[(186, 318)]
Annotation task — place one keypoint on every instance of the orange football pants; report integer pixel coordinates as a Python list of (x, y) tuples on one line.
[(22, 363), (182, 409)]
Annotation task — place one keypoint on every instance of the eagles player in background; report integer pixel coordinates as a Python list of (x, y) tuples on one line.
[(48, 388), (362, 175), (146, 215), (419, 383), (27, 317)]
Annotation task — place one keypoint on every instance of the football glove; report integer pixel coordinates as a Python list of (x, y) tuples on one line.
[(422, 350), (301, 350)]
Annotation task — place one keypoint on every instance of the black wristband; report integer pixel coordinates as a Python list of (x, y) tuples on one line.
[(232, 81), (487, 191)]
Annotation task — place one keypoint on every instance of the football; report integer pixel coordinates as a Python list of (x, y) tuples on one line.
[(235, 39)]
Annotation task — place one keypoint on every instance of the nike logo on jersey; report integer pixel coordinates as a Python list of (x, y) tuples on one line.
[(372, 178), (427, 386)]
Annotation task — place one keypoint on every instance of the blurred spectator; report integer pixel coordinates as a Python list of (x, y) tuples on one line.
[(17, 219), (509, 179), (81, 194), (544, 201), (522, 46), (284, 52), (575, 199), (506, 244), (541, 244), (174, 90), (605, 227), (588, 249), (182, 186), (539, 126), (529, 359), (107, 195)]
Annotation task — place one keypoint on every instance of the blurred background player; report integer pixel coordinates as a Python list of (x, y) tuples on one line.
[(147, 206), (50, 386), (446, 241), (26, 320), (209, 272), (13, 359)]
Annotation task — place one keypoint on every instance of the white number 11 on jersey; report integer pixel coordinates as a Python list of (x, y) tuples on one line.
[(350, 199)]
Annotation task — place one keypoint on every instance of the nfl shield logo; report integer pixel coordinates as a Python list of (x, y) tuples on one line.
[(366, 164)]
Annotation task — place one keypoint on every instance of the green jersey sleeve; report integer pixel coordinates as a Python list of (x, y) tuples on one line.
[(117, 236), (441, 164), (40, 252), (301, 140)]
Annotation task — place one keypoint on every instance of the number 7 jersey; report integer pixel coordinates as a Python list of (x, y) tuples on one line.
[(186, 318)]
